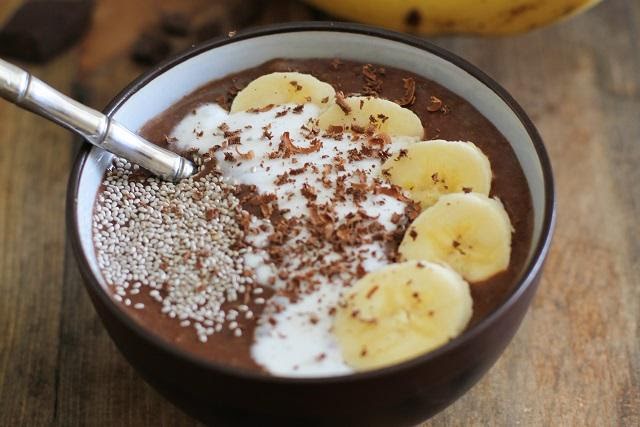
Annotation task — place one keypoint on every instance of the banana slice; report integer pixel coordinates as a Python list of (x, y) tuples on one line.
[(283, 88), (401, 311), (388, 117), (470, 232), (429, 169)]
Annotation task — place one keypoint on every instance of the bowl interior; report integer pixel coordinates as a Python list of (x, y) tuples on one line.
[(182, 77)]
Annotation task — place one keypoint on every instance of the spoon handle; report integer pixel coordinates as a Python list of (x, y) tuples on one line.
[(30, 93)]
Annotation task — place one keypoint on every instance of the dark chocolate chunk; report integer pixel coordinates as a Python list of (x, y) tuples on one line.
[(39, 30)]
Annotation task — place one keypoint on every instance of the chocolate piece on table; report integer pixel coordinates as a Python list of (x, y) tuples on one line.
[(39, 30)]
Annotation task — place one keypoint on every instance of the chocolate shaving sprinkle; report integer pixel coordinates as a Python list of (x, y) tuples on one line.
[(335, 130), (286, 148), (409, 97), (261, 109), (413, 234), (212, 214), (234, 140), (368, 72), (308, 192), (372, 81), (298, 171), (282, 179), (245, 156), (342, 103), (380, 139), (435, 104), (372, 291), (358, 129), (266, 133)]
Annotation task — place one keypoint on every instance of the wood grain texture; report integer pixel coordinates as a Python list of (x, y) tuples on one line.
[(576, 358), (34, 164)]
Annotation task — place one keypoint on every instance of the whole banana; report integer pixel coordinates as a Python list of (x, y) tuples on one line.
[(490, 17)]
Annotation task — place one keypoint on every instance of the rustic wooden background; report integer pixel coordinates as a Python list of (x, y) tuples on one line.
[(576, 359)]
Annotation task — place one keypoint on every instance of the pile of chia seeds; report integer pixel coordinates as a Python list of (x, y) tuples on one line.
[(175, 242)]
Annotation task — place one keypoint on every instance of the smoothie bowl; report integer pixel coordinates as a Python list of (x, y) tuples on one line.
[(363, 238)]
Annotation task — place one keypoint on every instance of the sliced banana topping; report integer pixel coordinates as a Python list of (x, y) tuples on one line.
[(361, 111), (283, 88), (401, 311), (429, 169), (470, 232)]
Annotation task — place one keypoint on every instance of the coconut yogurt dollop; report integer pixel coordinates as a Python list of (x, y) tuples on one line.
[(324, 216)]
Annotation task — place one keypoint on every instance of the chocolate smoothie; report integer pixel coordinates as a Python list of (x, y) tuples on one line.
[(443, 114)]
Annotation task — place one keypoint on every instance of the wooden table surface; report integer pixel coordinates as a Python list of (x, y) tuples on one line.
[(576, 358)]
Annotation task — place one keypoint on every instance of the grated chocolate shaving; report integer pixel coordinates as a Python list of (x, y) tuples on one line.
[(342, 103), (245, 156), (261, 109), (409, 97), (308, 192), (295, 85), (435, 104), (286, 148), (372, 81), (266, 132)]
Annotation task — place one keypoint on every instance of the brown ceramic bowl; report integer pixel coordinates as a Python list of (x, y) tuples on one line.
[(403, 394)]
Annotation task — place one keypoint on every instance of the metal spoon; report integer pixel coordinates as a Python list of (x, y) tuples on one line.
[(30, 93)]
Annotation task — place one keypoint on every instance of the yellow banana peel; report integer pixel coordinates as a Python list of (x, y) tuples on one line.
[(488, 17)]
